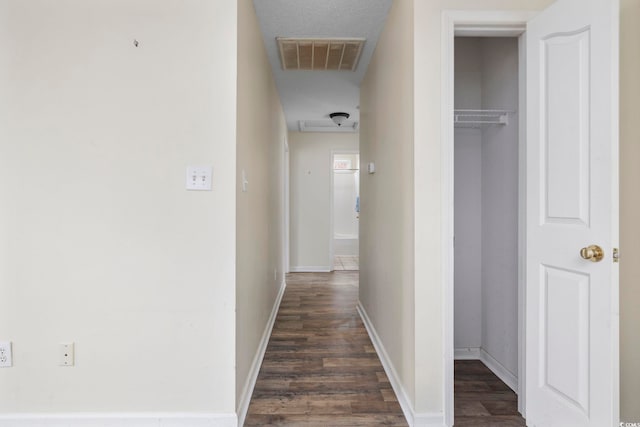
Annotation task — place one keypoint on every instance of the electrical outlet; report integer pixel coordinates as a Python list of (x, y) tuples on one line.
[(6, 360), (67, 354)]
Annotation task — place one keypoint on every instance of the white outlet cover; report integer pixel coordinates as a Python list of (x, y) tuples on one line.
[(199, 178), (6, 360)]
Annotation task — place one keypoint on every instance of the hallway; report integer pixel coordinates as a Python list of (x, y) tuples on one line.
[(320, 367)]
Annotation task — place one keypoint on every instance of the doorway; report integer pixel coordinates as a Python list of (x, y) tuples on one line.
[(481, 24), (345, 210), (486, 195)]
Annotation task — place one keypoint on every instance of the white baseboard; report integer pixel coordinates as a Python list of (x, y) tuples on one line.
[(428, 420), (501, 372), (496, 367), (250, 383), (413, 419), (119, 420), (467, 353), (310, 269)]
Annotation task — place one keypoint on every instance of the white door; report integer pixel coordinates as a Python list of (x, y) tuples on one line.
[(572, 199)]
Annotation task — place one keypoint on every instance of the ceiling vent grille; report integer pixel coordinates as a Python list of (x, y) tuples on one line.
[(320, 54)]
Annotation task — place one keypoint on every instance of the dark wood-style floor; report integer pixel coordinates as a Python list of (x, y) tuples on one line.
[(320, 368), (482, 399)]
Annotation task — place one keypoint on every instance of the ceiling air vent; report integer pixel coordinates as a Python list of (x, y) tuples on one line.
[(320, 54)]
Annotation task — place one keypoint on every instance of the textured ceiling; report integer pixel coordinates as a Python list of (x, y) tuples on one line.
[(313, 95)]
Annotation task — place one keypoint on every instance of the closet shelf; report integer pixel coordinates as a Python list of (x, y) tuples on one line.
[(481, 118)]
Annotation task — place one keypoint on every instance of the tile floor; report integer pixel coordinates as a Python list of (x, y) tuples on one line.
[(346, 262)]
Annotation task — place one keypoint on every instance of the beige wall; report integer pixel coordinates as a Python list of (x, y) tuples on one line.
[(311, 171), (100, 243), (629, 211), (261, 134), (386, 197)]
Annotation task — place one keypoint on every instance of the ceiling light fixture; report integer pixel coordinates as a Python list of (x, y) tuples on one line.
[(339, 118)]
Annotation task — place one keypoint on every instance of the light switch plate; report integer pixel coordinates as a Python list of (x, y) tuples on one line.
[(245, 183), (199, 178), (67, 356), (6, 361)]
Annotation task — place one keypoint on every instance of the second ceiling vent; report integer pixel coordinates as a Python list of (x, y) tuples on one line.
[(320, 54)]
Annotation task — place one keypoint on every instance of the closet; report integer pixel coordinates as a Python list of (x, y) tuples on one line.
[(486, 203)]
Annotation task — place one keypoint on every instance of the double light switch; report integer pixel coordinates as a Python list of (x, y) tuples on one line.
[(199, 178)]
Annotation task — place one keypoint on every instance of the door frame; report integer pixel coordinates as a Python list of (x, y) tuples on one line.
[(478, 24), (286, 208)]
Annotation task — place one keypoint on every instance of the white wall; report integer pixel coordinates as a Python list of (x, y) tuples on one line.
[(100, 242), (486, 202), (310, 170), (468, 200), (386, 197), (500, 204), (261, 132), (468, 235)]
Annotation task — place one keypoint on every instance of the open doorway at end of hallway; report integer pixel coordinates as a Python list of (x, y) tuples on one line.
[(345, 210)]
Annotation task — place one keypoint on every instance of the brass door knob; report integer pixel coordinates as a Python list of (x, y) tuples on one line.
[(593, 253)]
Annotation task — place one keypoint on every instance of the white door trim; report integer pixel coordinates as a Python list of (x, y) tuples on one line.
[(286, 201), (476, 23)]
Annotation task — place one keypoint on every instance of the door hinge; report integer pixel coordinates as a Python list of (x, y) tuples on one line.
[(616, 255)]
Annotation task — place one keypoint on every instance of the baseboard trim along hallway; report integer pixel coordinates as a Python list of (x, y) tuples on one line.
[(414, 419), (247, 390), (320, 367), (119, 420)]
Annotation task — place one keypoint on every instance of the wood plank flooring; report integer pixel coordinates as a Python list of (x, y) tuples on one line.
[(482, 399), (320, 368)]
